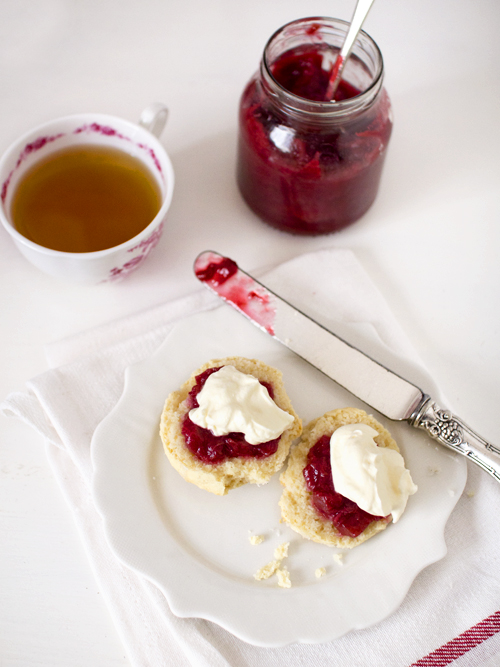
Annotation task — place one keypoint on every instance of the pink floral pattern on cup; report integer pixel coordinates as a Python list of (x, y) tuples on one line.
[(145, 246), (30, 148), (109, 131)]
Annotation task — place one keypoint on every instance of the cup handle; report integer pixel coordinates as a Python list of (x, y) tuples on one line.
[(154, 118)]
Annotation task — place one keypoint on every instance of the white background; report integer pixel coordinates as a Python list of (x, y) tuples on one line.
[(430, 243)]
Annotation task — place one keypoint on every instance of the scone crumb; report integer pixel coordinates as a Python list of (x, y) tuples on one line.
[(281, 551), (274, 566), (268, 570), (256, 539), (338, 558), (283, 578), (320, 572), (471, 494)]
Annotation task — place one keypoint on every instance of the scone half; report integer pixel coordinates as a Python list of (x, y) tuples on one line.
[(297, 509), (219, 478)]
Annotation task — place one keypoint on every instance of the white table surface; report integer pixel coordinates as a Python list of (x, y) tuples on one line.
[(431, 242)]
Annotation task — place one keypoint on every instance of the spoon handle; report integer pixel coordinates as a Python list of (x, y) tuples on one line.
[(359, 16)]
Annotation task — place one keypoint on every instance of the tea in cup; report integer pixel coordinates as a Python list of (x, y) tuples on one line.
[(85, 197)]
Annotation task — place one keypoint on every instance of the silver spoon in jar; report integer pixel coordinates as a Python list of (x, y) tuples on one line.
[(358, 18)]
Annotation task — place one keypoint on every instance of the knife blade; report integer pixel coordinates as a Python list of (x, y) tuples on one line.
[(375, 384)]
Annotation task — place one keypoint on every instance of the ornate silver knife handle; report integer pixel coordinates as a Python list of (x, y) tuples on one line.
[(452, 432)]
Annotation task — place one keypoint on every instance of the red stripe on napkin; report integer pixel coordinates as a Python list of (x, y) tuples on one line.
[(461, 644)]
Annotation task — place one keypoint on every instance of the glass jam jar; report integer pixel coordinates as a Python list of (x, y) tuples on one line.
[(307, 165)]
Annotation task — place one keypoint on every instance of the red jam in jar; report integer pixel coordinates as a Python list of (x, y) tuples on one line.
[(349, 519), (210, 448), (308, 165)]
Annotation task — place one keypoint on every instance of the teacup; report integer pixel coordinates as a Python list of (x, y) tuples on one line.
[(137, 140)]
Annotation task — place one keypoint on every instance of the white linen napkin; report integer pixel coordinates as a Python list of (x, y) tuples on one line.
[(447, 599)]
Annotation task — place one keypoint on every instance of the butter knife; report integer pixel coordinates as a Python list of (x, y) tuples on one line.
[(376, 385)]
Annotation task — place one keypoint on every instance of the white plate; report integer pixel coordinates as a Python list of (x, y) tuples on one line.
[(195, 546)]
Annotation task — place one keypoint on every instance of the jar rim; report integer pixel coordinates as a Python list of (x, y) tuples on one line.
[(325, 107)]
